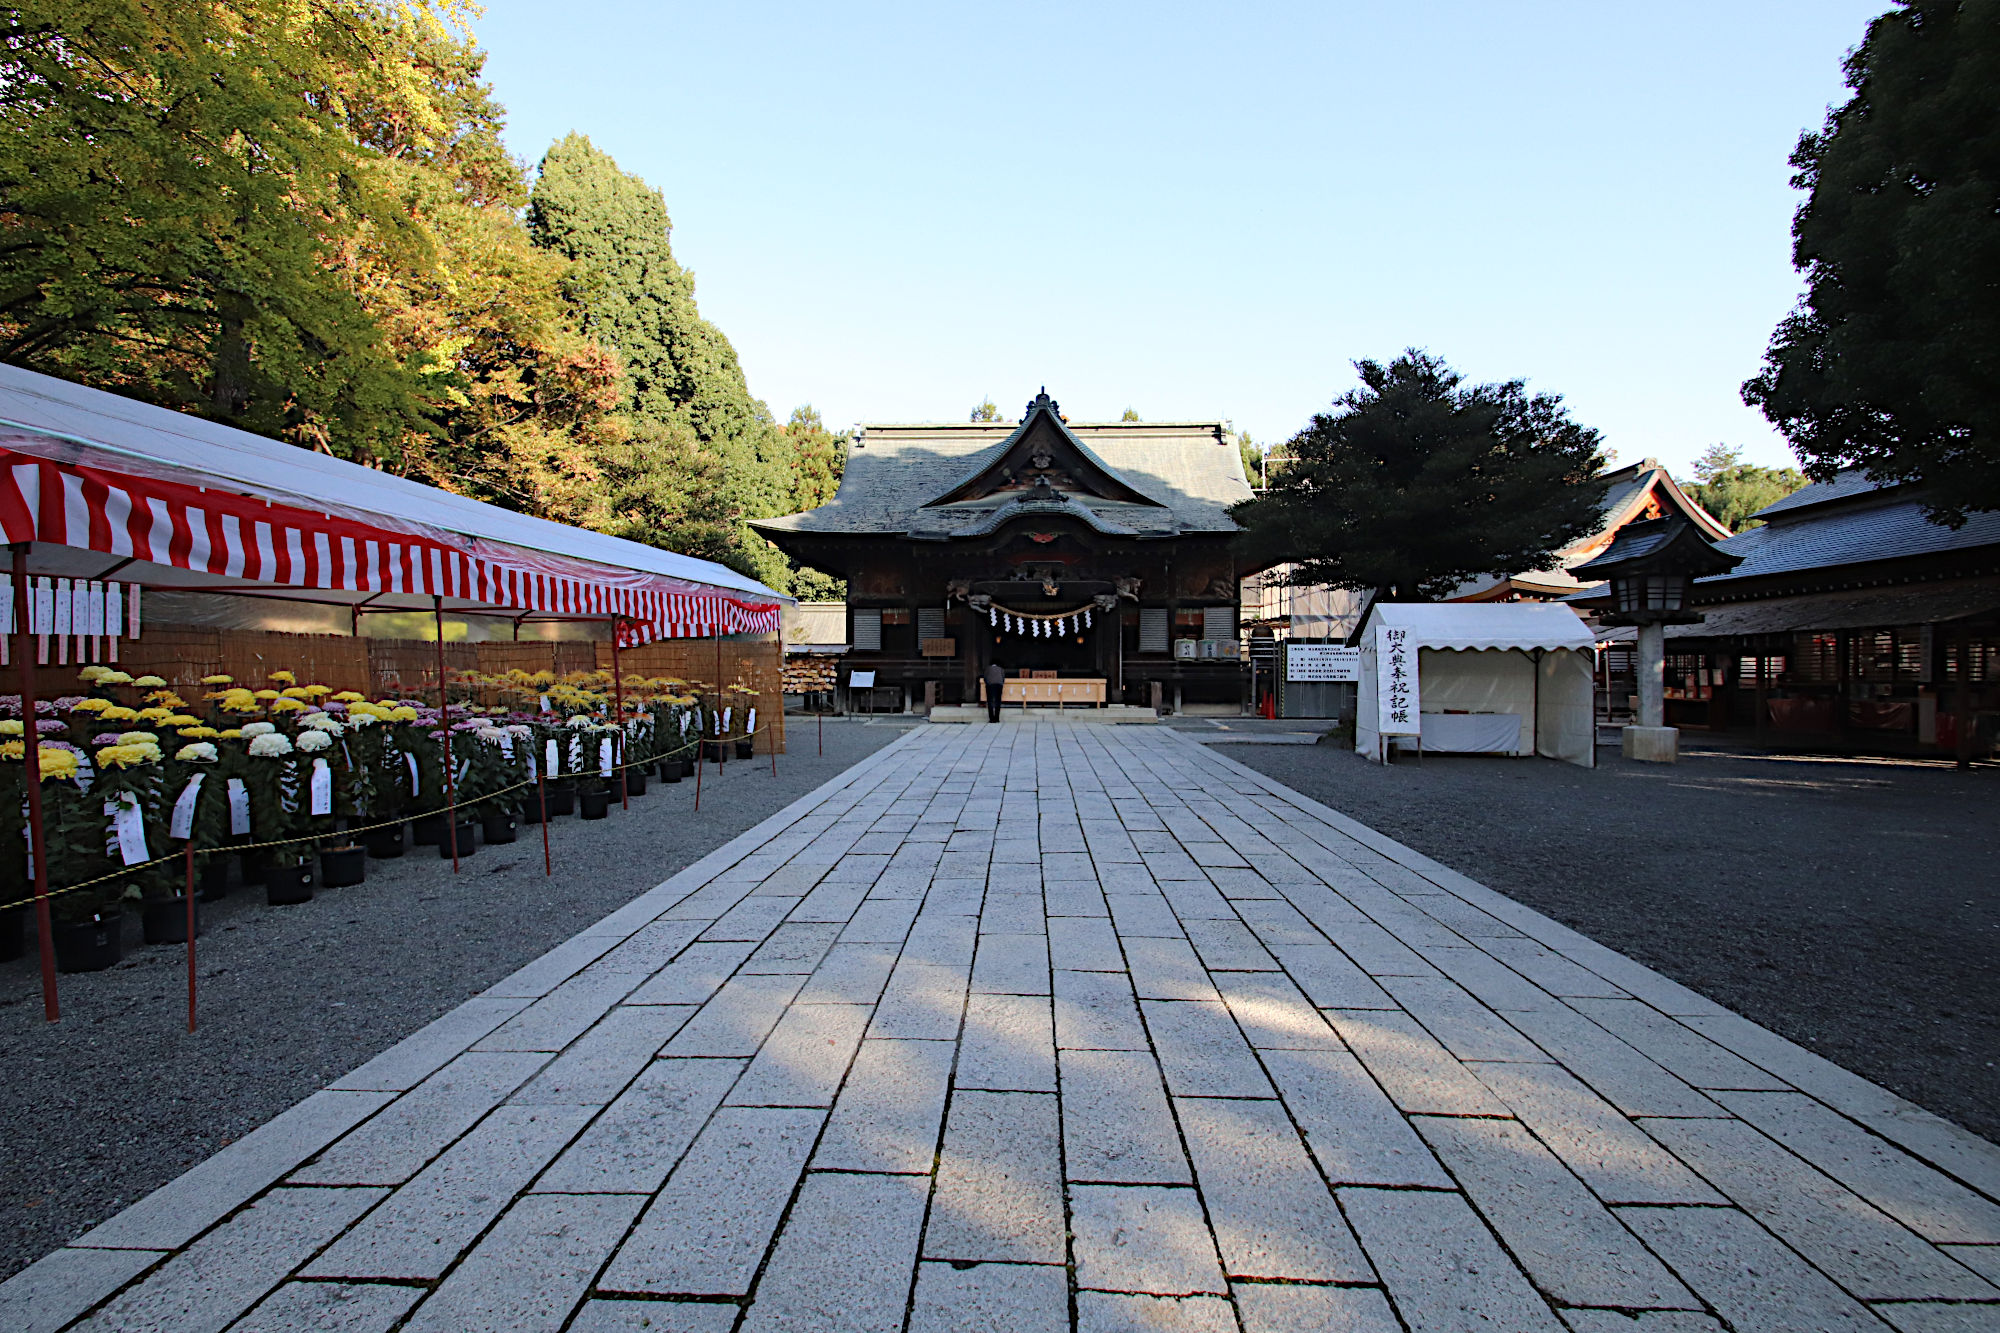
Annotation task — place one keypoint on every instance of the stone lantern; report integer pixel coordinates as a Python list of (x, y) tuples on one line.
[(1649, 566)]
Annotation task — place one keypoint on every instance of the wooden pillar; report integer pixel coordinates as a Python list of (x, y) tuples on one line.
[(1763, 683), (1961, 702)]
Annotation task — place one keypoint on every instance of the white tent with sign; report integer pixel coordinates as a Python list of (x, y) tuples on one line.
[(1509, 678)]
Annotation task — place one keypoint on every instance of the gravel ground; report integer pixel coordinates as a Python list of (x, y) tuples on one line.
[(1853, 906), (119, 1097)]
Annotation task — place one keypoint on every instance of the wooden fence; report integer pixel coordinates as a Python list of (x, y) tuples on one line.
[(407, 668)]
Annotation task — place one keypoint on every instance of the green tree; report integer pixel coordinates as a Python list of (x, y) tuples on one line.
[(1130, 414), (1414, 483), (1253, 459), (988, 410), (819, 456), (1889, 363), (685, 389), (179, 187), (1732, 489)]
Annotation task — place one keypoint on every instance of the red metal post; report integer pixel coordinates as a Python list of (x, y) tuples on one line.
[(31, 771), (699, 764), (822, 733), (444, 719), (190, 927), (618, 712)]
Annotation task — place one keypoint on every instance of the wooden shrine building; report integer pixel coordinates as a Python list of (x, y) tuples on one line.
[(1100, 552)]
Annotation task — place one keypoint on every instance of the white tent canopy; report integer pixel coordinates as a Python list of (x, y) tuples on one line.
[(193, 504), (1504, 678)]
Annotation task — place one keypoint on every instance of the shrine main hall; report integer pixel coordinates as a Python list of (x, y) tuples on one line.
[(1102, 553)]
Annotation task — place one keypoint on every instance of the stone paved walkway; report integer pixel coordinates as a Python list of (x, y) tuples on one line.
[(1067, 1026)]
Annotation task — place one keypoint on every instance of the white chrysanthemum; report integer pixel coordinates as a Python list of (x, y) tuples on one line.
[(321, 722), (258, 728), (313, 740), (362, 719), (270, 746), (197, 752), (582, 720)]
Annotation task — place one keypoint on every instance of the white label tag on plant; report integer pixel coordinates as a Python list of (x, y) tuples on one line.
[(750, 723), (554, 761), (506, 745), (547, 707), (183, 821), (128, 825), (725, 721), (239, 807), (604, 757), (416, 784), (322, 788)]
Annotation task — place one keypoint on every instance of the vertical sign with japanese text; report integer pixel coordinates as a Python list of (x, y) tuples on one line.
[(1396, 682)]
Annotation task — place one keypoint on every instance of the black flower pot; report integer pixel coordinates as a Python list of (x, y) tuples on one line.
[(562, 798), (342, 867), (428, 830), (13, 933), (255, 865), (213, 882), (499, 828), (672, 770), (635, 782), (617, 792), (89, 946), (744, 749), (384, 844), (286, 884), (165, 920), (596, 804), (711, 752), (468, 840)]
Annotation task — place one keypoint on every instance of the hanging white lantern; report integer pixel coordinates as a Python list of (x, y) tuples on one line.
[(992, 616), (1086, 617)]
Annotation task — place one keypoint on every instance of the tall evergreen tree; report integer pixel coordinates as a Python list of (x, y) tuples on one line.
[(1892, 360), (702, 444), (1416, 482)]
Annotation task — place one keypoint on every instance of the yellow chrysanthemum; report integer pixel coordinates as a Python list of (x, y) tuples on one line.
[(155, 713), (13, 749), (11, 726), (94, 705), (128, 756), (317, 691), (296, 692), (118, 713), (149, 682), (139, 738), (218, 680), (404, 714), (350, 697), (89, 675), (201, 733), (241, 706), (57, 763), (266, 695), (283, 678), (180, 720), (287, 705)]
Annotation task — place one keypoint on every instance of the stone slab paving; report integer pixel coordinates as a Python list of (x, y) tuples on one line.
[(1066, 1027)]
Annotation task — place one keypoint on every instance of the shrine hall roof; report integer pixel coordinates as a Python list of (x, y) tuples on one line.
[(1186, 474)]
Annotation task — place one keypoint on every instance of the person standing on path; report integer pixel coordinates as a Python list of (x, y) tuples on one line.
[(996, 677)]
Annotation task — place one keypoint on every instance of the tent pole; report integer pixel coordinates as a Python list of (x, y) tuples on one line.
[(444, 721), (618, 712), (31, 773)]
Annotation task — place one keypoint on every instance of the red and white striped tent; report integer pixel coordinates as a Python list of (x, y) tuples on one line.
[(106, 487)]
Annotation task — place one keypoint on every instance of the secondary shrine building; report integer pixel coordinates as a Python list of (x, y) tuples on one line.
[(1101, 552)]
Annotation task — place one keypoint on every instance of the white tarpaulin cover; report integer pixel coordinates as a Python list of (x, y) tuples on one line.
[(198, 504), (1531, 660)]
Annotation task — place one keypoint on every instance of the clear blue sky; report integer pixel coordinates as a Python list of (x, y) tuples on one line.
[(1211, 211)]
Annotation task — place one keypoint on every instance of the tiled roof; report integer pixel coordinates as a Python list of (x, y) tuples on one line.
[(1893, 529), (1189, 470), (1845, 486)]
